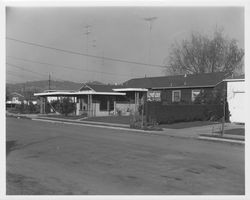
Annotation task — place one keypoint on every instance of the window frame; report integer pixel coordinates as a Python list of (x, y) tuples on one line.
[(173, 97)]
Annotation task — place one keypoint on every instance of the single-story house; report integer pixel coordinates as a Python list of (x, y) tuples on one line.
[(179, 88), (91, 100), (15, 99)]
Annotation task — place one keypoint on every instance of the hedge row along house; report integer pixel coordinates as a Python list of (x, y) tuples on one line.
[(104, 100)]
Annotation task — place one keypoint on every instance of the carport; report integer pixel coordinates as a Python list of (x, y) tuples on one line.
[(87, 102)]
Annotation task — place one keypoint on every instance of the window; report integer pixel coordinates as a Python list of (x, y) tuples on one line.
[(195, 93), (176, 96)]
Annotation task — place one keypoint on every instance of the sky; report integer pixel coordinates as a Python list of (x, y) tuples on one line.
[(119, 33)]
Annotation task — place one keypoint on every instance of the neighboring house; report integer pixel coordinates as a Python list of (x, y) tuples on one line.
[(15, 99), (91, 100), (236, 98), (179, 88)]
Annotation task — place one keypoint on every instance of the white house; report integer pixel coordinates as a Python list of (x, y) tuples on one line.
[(236, 98)]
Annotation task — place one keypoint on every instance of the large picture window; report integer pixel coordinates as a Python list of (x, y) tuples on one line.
[(176, 96)]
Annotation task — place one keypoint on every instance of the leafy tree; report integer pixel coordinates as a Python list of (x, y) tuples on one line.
[(201, 54), (67, 106)]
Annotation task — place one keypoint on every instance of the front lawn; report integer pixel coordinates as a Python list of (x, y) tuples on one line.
[(110, 119), (63, 116), (235, 131), (181, 125)]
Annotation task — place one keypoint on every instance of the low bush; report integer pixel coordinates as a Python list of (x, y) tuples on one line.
[(26, 108)]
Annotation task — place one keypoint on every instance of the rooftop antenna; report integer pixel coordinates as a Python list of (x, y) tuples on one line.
[(150, 20)]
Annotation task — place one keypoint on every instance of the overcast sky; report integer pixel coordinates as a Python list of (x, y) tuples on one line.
[(115, 32)]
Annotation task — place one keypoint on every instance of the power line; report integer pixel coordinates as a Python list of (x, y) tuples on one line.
[(40, 74), (66, 67), (12, 73), (84, 54), (36, 73)]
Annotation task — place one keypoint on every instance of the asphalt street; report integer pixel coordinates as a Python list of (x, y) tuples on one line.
[(50, 159)]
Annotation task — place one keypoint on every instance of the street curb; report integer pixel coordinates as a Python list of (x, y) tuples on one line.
[(19, 116), (99, 126), (221, 140)]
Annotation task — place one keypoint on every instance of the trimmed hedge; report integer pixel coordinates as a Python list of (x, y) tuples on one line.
[(163, 114)]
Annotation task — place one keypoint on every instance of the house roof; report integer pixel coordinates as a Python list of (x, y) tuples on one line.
[(13, 94), (99, 87), (178, 81), (237, 77)]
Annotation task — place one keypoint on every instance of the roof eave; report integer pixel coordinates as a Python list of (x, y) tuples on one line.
[(131, 89), (78, 93), (232, 80), (180, 87)]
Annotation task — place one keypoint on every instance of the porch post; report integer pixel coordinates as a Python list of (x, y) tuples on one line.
[(88, 110), (77, 106), (42, 105), (91, 105), (114, 107), (135, 102), (90, 114), (108, 106)]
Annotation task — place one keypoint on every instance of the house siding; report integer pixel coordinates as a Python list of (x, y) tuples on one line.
[(186, 94)]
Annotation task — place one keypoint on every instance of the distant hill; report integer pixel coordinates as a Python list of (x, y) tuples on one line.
[(40, 86), (30, 87)]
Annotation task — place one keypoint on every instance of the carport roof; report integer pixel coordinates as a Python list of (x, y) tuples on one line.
[(79, 93)]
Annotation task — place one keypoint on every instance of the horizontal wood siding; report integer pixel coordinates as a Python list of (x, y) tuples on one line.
[(186, 94)]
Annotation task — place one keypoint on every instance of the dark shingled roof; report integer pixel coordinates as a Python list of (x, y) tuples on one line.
[(191, 80)]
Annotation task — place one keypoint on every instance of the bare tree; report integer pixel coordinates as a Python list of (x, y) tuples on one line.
[(201, 54)]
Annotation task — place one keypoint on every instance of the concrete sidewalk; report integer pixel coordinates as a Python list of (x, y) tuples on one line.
[(212, 129)]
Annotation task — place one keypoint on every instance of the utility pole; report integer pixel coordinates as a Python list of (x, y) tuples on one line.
[(49, 80), (150, 21), (24, 91), (87, 27)]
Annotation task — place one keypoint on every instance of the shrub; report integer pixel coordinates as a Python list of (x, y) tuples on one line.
[(67, 106), (183, 113)]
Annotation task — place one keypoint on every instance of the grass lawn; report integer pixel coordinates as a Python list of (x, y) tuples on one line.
[(181, 125), (235, 131), (110, 119), (107, 119), (64, 117)]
